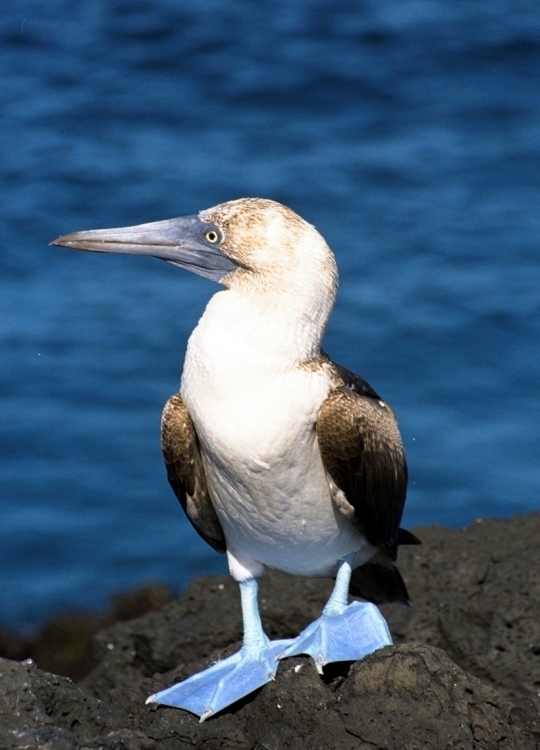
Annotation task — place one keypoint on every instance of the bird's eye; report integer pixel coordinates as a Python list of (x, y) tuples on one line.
[(211, 236)]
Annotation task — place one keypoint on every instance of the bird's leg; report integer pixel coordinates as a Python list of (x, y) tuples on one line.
[(230, 679), (343, 632), (339, 598)]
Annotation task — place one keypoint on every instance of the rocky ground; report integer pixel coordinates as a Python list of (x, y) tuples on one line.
[(464, 671)]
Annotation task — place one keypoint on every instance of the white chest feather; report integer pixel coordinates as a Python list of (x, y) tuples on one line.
[(256, 425)]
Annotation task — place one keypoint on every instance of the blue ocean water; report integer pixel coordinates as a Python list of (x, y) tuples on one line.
[(408, 133)]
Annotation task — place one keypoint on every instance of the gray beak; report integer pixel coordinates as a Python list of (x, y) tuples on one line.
[(187, 242)]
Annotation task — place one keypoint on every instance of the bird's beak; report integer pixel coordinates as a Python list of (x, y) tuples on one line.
[(182, 241)]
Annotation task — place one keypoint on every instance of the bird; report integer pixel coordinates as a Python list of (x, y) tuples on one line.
[(280, 457)]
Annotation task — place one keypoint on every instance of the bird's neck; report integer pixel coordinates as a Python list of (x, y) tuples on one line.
[(263, 333)]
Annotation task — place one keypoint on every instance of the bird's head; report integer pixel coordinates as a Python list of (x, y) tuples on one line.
[(247, 242)]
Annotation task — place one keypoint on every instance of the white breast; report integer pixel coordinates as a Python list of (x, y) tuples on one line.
[(256, 426)]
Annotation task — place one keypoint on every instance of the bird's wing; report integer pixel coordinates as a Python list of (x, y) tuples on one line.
[(185, 471), (363, 456)]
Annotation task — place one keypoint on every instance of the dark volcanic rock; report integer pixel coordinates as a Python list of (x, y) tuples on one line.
[(41, 710), (65, 645), (476, 595), (400, 698), (415, 694)]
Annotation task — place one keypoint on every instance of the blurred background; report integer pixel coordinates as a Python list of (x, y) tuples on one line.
[(408, 133)]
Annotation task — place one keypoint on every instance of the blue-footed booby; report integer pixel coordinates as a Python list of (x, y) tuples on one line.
[(278, 456)]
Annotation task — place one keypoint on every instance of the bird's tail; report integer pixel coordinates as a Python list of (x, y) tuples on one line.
[(378, 583)]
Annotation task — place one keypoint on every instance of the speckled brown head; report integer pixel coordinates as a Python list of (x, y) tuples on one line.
[(265, 237)]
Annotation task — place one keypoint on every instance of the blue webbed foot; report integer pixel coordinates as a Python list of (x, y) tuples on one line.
[(349, 635), (225, 682), (344, 632), (232, 678)]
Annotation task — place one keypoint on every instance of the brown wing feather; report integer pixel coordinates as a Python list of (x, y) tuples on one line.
[(362, 453), (185, 471)]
